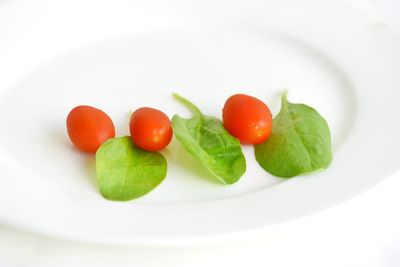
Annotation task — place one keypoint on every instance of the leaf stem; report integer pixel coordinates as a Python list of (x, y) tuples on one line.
[(188, 104), (284, 98)]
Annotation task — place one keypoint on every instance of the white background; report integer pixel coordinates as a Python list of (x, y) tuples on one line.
[(364, 231)]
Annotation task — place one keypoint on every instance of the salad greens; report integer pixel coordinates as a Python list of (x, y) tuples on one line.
[(300, 142), (206, 139), (125, 172)]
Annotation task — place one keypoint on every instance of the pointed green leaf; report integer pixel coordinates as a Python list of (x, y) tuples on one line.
[(300, 142)]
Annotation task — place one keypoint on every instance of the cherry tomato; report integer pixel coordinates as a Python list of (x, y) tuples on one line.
[(247, 118), (150, 129), (89, 127)]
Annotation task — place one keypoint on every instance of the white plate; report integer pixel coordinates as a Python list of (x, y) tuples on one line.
[(125, 55)]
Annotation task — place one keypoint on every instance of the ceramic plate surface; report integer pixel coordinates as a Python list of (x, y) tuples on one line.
[(122, 55)]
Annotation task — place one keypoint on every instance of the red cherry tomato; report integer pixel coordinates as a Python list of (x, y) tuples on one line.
[(89, 127), (150, 129), (247, 118)]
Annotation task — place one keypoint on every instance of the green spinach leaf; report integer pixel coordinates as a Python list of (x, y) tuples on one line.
[(207, 140), (300, 142), (126, 172)]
